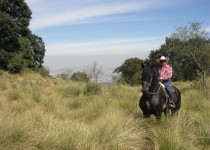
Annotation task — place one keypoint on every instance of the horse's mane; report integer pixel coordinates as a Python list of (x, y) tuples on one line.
[(154, 68)]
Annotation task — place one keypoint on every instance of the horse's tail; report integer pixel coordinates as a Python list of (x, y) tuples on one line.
[(177, 94)]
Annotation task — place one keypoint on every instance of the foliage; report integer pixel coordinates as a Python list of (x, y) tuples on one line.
[(38, 49), (26, 52), (192, 31), (188, 49), (80, 77), (118, 79), (92, 88), (197, 51), (44, 72), (17, 39), (130, 71), (15, 64)]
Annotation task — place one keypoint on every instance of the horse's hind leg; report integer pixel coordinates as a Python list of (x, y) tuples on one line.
[(166, 111)]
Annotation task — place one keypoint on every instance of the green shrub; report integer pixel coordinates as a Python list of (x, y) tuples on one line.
[(80, 77), (43, 71), (92, 89), (14, 67)]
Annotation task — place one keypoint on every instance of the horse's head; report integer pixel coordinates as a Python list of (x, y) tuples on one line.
[(147, 76)]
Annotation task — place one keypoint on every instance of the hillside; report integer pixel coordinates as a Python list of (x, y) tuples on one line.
[(49, 114)]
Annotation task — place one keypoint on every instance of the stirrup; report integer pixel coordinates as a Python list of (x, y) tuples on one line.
[(172, 104)]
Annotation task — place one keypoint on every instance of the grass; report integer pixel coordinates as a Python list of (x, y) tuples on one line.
[(38, 113)]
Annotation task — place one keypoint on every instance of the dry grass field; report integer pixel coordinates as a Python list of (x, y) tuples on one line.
[(39, 113)]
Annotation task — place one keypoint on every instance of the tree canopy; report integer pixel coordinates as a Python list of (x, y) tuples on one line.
[(189, 52), (80, 77), (188, 49), (130, 71), (19, 48)]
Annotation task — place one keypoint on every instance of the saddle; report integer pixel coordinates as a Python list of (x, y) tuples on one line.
[(169, 101)]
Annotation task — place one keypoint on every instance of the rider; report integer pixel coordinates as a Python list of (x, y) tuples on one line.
[(165, 73)]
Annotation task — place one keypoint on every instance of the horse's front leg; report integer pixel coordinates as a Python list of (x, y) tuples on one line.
[(158, 114), (146, 114)]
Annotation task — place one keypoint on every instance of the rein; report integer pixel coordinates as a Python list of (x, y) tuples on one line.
[(152, 93)]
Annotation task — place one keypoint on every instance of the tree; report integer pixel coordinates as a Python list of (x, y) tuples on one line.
[(192, 31), (26, 52), (188, 50), (130, 71), (94, 71), (80, 77), (19, 12), (38, 49), (19, 48), (198, 53), (15, 64), (195, 50)]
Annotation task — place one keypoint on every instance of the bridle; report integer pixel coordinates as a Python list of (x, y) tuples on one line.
[(149, 84)]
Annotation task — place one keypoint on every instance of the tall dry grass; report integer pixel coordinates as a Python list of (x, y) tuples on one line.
[(44, 113)]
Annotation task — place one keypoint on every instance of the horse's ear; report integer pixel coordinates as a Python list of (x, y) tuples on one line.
[(154, 64), (142, 65)]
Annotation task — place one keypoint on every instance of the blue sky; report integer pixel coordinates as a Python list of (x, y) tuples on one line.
[(78, 32)]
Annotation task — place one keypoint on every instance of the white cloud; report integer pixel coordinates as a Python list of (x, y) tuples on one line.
[(106, 47), (47, 13)]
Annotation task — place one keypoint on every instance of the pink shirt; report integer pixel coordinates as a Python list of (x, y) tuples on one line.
[(165, 72)]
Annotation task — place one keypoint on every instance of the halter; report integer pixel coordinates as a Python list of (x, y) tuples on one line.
[(152, 93)]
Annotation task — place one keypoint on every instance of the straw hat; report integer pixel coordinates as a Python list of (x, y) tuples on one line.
[(162, 59)]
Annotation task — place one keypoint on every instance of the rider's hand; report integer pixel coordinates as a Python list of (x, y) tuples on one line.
[(159, 79)]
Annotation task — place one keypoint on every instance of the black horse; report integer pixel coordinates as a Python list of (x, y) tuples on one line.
[(154, 96)]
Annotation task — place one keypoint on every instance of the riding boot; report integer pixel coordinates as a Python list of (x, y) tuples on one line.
[(171, 101)]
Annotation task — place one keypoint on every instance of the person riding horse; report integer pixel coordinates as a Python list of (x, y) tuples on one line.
[(165, 73)]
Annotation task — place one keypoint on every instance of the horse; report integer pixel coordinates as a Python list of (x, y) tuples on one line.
[(154, 95)]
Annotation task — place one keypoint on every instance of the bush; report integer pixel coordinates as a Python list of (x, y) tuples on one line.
[(44, 72), (130, 71), (118, 80), (15, 65), (92, 88), (80, 77)]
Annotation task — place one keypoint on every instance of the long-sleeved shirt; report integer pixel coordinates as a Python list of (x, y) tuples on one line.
[(165, 72)]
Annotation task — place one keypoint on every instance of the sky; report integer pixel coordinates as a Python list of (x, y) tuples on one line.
[(77, 33)]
